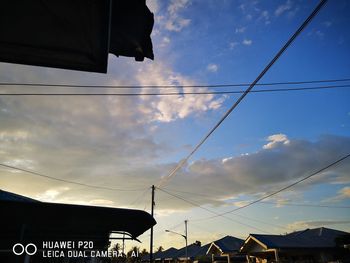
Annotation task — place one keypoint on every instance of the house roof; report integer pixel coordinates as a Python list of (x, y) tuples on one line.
[(8, 196), (169, 253), (75, 34), (192, 251), (228, 244), (53, 218), (309, 238)]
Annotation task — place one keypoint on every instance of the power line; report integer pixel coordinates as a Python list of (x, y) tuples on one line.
[(263, 72), (306, 205), (140, 198), (284, 203), (210, 211), (284, 188), (242, 216), (169, 86), (68, 181), (181, 93)]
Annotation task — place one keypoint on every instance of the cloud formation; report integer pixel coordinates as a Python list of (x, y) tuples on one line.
[(212, 68), (247, 42), (175, 22), (283, 8)]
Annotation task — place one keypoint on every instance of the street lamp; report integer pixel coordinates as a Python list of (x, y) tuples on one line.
[(184, 236)]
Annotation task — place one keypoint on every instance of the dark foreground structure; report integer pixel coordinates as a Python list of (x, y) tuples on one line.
[(27, 221), (74, 34), (306, 246)]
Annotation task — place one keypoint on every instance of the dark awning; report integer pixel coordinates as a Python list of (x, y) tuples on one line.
[(74, 34), (42, 217)]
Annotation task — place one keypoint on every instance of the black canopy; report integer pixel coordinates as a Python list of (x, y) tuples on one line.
[(74, 34), (55, 219), (76, 218)]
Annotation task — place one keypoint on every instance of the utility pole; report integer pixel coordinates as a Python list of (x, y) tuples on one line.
[(186, 239), (184, 236), (151, 241)]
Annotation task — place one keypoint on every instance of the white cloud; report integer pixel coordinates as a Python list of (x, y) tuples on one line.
[(232, 45), (345, 192), (101, 202), (177, 5), (275, 140), (242, 7), (266, 170), (175, 22), (241, 203), (247, 42), (170, 108), (265, 16), (104, 140), (212, 67), (316, 32), (240, 29), (226, 159), (52, 194), (165, 42), (319, 33), (283, 8), (327, 23), (342, 194), (153, 5)]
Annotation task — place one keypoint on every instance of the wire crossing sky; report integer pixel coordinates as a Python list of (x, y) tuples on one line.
[(245, 93)]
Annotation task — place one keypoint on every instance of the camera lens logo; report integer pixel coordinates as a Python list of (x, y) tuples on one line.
[(30, 249)]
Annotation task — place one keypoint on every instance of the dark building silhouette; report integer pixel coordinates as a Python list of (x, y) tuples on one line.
[(74, 34), (26, 220)]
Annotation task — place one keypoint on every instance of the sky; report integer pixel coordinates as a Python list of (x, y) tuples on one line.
[(269, 141)]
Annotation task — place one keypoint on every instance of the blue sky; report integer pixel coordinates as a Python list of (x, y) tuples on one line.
[(269, 141)]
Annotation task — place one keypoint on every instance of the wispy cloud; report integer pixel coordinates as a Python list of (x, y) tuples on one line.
[(233, 44), (240, 29), (175, 21), (265, 16), (341, 195), (275, 140), (283, 8), (327, 23), (212, 67), (247, 42), (165, 42)]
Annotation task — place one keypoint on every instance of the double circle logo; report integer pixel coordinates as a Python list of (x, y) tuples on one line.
[(30, 249)]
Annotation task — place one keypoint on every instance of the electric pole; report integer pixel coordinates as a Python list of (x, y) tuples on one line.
[(151, 241), (186, 239)]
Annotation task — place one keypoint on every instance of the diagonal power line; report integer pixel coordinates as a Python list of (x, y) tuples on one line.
[(210, 211), (68, 181), (165, 179), (284, 203), (282, 189)]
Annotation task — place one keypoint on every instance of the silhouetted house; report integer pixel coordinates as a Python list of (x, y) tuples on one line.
[(310, 245), (76, 35), (168, 255), (193, 251), (226, 249), (26, 220), (173, 255)]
